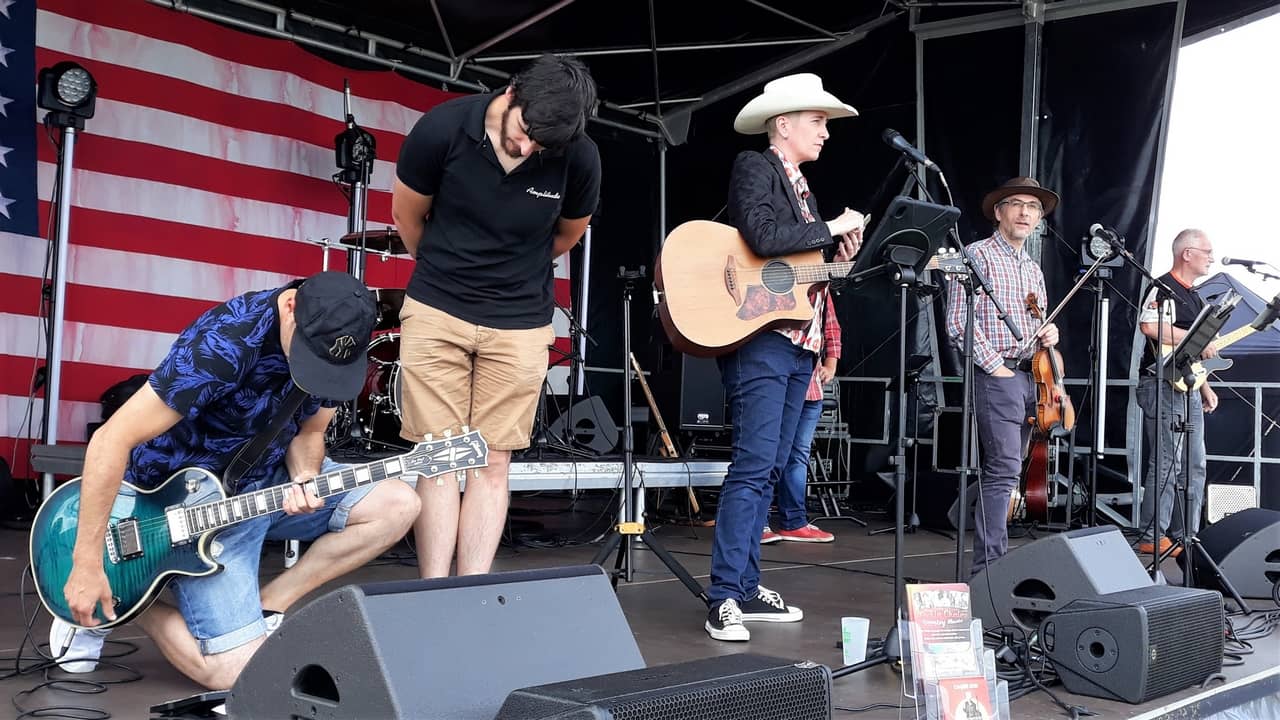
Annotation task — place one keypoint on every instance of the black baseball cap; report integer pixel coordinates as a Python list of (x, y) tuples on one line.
[(335, 315)]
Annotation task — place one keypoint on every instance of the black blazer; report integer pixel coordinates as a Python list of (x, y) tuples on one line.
[(762, 205)]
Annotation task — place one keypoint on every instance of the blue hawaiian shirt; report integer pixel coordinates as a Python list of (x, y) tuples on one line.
[(226, 374)]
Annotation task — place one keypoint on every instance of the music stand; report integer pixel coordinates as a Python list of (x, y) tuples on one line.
[(903, 243), (1179, 366)]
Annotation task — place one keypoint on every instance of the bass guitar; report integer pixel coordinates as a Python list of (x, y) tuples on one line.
[(1202, 368), (716, 294), (154, 535)]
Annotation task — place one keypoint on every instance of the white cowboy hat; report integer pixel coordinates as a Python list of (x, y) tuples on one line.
[(791, 93)]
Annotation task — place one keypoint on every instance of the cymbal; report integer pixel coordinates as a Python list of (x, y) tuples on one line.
[(387, 241)]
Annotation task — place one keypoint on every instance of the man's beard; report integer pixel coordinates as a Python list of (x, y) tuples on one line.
[(508, 146)]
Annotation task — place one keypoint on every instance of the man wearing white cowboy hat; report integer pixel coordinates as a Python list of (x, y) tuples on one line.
[(1005, 392), (765, 380)]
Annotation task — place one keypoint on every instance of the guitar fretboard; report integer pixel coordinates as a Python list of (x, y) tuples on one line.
[(222, 513)]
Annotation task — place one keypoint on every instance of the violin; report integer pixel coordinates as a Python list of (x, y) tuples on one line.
[(1055, 415)]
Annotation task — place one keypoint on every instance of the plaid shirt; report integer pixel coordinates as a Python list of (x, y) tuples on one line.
[(1013, 275), (830, 345), (808, 337)]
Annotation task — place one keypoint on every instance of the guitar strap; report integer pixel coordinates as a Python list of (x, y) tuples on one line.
[(251, 452)]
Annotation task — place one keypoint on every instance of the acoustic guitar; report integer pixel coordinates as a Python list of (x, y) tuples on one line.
[(716, 294)]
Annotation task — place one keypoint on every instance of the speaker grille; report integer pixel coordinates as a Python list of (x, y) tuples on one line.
[(1186, 636), (797, 692)]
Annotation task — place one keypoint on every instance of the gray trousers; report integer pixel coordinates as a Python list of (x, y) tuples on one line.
[(1163, 476), (1001, 409)]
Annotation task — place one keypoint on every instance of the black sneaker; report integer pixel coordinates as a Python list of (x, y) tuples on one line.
[(724, 622), (767, 606)]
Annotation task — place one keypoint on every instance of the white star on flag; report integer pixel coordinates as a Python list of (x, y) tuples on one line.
[(4, 7), (4, 55), (4, 153), (4, 101), (4, 206)]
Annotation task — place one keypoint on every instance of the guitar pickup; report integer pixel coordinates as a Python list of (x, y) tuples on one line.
[(130, 538)]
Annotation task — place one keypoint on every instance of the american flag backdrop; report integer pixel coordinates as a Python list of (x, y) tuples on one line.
[(203, 174)]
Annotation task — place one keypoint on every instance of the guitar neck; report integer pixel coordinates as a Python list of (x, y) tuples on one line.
[(1224, 341), (224, 513), (822, 272), (667, 443)]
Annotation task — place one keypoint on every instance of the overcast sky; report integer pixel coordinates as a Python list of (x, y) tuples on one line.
[(1223, 155)]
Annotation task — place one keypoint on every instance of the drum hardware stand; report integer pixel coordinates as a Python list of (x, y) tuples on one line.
[(355, 150), (542, 439), (631, 529)]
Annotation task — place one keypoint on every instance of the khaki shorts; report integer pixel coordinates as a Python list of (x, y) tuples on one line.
[(454, 373)]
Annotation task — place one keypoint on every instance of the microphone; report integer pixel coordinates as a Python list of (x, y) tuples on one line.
[(1096, 230), (894, 139), (346, 103), (1241, 261)]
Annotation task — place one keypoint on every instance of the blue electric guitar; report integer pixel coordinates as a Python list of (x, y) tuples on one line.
[(153, 535)]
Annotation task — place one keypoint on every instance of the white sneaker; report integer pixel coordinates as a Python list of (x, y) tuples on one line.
[(725, 622), (82, 646), (272, 620)]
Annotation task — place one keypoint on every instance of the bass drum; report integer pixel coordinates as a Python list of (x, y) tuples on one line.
[(378, 405)]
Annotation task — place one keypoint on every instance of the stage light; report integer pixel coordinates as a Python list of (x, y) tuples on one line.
[(69, 93), (1095, 247)]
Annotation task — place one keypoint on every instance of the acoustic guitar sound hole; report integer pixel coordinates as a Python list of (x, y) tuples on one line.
[(778, 277)]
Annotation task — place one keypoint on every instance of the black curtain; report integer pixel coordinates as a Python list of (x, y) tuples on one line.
[(1099, 135)]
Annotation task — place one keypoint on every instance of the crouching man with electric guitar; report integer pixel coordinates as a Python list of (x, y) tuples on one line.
[(259, 373)]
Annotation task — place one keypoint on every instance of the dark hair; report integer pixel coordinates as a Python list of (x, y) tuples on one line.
[(556, 95)]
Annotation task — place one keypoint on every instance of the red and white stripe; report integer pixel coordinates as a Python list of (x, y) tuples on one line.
[(205, 173)]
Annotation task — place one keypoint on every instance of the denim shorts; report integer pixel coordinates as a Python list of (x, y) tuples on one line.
[(224, 610)]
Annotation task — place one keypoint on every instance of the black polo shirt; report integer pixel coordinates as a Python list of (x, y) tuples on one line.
[(1186, 308), (485, 256)]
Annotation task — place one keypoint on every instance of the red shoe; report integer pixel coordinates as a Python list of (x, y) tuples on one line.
[(769, 536), (809, 533)]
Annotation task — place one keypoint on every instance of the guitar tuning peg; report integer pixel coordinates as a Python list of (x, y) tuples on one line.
[(428, 437), (466, 429), (448, 433)]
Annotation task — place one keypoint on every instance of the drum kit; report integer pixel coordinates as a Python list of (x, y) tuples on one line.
[(375, 414)]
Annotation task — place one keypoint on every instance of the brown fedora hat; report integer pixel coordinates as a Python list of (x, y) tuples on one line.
[(1019, 186)]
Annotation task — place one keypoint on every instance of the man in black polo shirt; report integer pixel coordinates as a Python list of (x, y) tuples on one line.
[(489, 190), (1192, 258)]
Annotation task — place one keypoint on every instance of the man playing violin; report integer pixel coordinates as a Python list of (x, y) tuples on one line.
[(1005, 393)]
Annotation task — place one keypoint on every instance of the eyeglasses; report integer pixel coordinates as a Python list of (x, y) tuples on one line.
[(1208, 253), (1032, 206)]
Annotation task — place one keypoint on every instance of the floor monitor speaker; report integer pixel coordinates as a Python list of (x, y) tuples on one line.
[(1138, 644), (449, 648), (1039, 578)]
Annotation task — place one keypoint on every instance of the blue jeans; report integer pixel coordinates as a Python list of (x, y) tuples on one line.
[(765, 382), (791, 496), (224, 610), (1165, 516)]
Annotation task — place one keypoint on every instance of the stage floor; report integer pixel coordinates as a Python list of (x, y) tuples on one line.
[(844, 578)]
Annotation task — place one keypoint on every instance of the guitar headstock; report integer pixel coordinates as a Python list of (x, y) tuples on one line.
[(949, 262), (1268, 314), (449, 453)]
